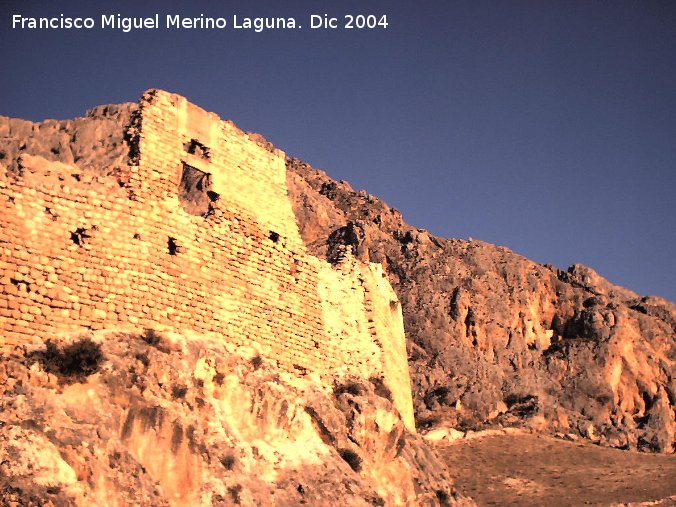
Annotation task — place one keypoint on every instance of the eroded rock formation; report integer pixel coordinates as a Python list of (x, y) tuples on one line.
[(495, 339), (290, 384), (165, 419)]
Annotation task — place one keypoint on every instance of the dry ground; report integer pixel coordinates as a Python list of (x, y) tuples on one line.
[(532, 470)]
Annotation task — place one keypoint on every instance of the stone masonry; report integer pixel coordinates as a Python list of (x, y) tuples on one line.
[(194, 232)]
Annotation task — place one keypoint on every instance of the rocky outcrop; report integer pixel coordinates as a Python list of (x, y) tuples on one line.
[(497, 340), (162, 419), (97, 142), (493, 338)]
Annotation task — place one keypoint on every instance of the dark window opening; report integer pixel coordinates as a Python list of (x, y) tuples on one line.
[(274, 236), (173, 246), (194, 147), (194, 192), (22, 285), (81, 236)]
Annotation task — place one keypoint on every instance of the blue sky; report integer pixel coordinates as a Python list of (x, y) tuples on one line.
[(545, 126)]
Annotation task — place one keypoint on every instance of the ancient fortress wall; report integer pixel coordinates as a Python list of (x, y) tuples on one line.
[(195, 234)]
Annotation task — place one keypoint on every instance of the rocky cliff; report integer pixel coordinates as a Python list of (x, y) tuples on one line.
[(164, 419), (493, 338), (160, 418), (497, 340)]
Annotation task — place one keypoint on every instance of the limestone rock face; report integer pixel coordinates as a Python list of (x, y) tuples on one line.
[(493, 338), (324, 417), (162, 419), (497, 340), (95, 142)]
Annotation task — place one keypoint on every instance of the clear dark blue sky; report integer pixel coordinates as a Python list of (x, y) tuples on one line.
[(545, 126)]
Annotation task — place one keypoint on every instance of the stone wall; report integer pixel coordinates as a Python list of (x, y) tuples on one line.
[(194, 233)]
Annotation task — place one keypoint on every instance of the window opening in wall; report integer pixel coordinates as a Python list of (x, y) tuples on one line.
[(173, 246), (22, 285), (194, 192), (194, 147), (274, 236), (81, 236)]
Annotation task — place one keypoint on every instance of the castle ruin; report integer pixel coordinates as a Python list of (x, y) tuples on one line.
[(192, 232)]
